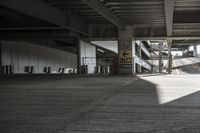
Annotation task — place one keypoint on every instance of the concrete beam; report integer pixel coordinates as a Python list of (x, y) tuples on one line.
[(146, 38), (169, 11), (165, 38), (101, 39), (186, 24), (6, 13), (31, 28), (184, 43), (148, 25), (186, 38), (34, 35), (106, 13), (150, 38), (43, 11)]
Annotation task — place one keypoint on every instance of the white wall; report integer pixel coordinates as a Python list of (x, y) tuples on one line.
[(177, 53), (110, 45), (21, 54), (191, 48), (88, 56)]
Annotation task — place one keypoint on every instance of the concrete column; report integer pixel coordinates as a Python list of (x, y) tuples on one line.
[(169, 56), (152, 60), (78, 56), (140, 69), (133, 56), (195, 51), (87, 56), (188, 49), (140, 56), (183, 52), (126, 50), (140, 51), (1, 69), (160, 57)]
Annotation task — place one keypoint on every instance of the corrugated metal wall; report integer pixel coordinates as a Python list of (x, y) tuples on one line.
[(22, 54)]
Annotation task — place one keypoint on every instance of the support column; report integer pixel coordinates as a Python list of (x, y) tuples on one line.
[(78, 46), (169, 42), (1, 68), (126, 50), (140, 56), (183, 52), (87, 57), (152, 60), (195, 51), (160, 57)]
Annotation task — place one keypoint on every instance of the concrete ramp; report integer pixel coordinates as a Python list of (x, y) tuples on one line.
[(186, 65)]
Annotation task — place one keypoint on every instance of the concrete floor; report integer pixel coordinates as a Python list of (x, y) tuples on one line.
[(103, 104), (186, 65)]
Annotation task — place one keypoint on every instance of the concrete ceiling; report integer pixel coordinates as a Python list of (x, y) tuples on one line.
[(150, 18)]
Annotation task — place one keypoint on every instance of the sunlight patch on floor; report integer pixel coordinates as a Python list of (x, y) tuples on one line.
[(171, 94), (173, 87)]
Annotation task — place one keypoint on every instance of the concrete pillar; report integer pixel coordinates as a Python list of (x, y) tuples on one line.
[(126, 49), (78, 46), (195, 51), (1, 68), (140, 50), (87, 56), (183, 52), (140, 56), (169, 56), (188, 49), (160, 57), (152, 60), (139, 68)]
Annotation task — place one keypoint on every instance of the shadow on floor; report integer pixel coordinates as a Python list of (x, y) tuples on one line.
[(93, 104)]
